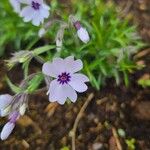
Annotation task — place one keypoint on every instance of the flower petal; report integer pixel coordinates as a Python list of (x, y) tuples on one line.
[(26, 12), (37, 19), (69, 59), (70, 92), (39, 1), (80, 77), (55, 68), (45, 6), (44, 12), (56, 93), (50, 70), (25, 1), (77, 82), (73, 65), (7, 129), (5, 100), (16, 5)]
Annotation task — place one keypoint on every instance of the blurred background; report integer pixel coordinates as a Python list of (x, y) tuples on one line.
[(117, 61)]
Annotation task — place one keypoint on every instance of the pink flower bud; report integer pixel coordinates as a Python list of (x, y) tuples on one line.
[(83, 35), (82, 32)]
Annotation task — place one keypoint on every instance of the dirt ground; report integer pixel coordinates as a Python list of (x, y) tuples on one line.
[(127, 110)]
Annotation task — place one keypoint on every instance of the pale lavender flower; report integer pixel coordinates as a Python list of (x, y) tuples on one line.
[(81, 32), (35, 11), (16, 5), (66, 81), (9, 126), (14, 107)]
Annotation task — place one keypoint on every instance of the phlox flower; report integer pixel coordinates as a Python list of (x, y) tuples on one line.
[(9, 126), (31, 10), (35, 11), (13, 107), (67, 81)]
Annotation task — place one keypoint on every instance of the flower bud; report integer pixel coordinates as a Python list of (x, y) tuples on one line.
[(59, 37), (82, 32), (22, 109), (83, 35), (5, 112), (7, 130), (59, 45), (16, 5), (41, 32)]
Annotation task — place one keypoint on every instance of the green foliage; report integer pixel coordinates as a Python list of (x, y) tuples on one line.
[(65, 148), (13, 31), (107, 55), (34, 84), (144, 82), (113, 41), (29, 86), (131, 144)]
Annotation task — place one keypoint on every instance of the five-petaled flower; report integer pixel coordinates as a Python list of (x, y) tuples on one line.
[(36, 10), (67, 81), (31, 10)]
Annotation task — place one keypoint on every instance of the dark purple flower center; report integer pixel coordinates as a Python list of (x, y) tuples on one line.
[(35, 5), (64, 78)]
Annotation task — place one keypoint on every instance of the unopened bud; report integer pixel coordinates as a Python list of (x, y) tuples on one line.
[(22, 109), (59, 37), (82, 32), (7, 130), (83, 35), (41, 32), (59, 45)]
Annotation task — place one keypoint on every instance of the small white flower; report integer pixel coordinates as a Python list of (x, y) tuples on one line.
[(7, 130), (16, 5), (41, 32), (35, 11), (83, 35), (66, 81)]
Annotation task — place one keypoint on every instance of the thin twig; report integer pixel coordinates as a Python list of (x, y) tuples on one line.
[(114, 132), (79, 116)]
